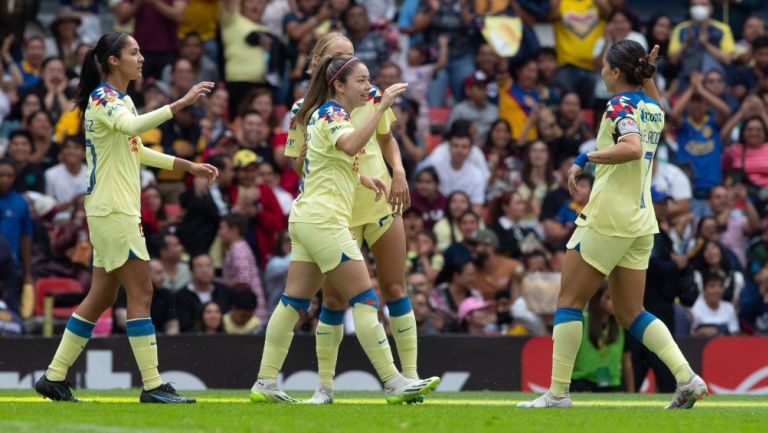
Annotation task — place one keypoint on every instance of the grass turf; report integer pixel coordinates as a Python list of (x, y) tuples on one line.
[(362, 412)]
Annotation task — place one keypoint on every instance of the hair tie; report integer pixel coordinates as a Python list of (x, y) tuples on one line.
[(341, 69)]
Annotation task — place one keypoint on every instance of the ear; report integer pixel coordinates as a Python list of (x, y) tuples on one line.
[(338, 86), (616, 72), (113, 61)]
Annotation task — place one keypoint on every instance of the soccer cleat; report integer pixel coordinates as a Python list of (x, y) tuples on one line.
[(164, 394), (56, 391), (323, 395), (269, 392), (688, 394), (404, 390), (546, 401)]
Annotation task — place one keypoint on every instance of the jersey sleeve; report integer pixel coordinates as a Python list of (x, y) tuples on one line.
[(622, 112), (383, 127), (295, 140), (155, 159), (116, 115), (337, 123)]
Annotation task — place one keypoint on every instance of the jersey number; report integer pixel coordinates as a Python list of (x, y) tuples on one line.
[(648, 157), (92, 175)]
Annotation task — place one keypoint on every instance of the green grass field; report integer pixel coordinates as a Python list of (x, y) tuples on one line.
[(362, 412)]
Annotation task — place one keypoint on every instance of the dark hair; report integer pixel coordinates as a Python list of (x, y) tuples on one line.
[(710, 277), (447, 210), (744, 127), (422, 48), (460, 128), (279, 239), (428, 233), (546, 51), (175, 63), (429, 171), (632, 60), (760, 42), (390, 64), (517, 65), (663, 45), (219, 160), (21, 133), (16, 109), (9, 163), (96, 68), (596, 317), (353, 5), (51, 59), (202, 312), (245, 105), (469, 212), (251, 112), (243, 300), (237, 221), (634, 21), (527, 168), (195, 257), (321, 87), (38, 113), (77, 139), (499, 121), (496, 207), (700, 263), (502, 294)]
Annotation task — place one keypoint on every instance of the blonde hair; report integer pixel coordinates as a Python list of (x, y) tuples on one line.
[(320, 48)]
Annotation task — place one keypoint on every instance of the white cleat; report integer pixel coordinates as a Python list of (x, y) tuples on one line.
[(269, 392), (403, 390), (323, 395), (546, 401), (688, 394)]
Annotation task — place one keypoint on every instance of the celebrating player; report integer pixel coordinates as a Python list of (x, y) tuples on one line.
[(322, 243), (615, 229), (114, 154), (378, 223)]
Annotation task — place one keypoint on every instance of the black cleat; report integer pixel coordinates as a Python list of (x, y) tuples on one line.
[(164, 394), (56, 391)]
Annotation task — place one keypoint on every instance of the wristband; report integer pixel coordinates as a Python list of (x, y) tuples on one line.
[(581, 160)]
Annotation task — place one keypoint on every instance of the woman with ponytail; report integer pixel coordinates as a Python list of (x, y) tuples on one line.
[(378, 223), (114, 153), (615, 230), (323, 245)]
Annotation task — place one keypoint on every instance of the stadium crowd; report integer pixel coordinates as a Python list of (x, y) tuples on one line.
[(486, 142)]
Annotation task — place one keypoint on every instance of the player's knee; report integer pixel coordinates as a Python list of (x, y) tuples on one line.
[(625, 316), (393, 291), (333, 300)]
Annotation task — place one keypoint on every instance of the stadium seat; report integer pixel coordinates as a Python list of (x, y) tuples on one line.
[(56, 287), (588, 115), (439, 116)]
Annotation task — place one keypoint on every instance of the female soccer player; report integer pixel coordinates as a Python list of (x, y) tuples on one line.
[(378, 223), (614, 234), (114, 153), (323, 245)]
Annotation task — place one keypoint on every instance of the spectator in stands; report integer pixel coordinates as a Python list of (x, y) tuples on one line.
[(671, 180), (201, 19), (750, 155), (505, 159), (476, 108), (603, 363), (9, 268), (427, 198), (518, 99), (754, 27), (537, 176), (709, 229), (255, 135), (461, 251), (270, 177), (659, 32), (738, 217), (305, 22), (370, 45), (426, 259), (701, 43), (215, 106), (154, 217), (698, 136), (28, 176), (554, 233), (169, 252), (494, 272), (418, 282), (571, 209), (413, 224), (211, 319), (715, 82), (65, 40), (22, 110), (452, 18), (754, 309), (711, 259), (458, 173), (240, 320), (71, 249), (575, 130), (712, 316), (578, 25), (10, 322), (46, 151), (428, 321), (477, 317), (203, 68), (247, 43), (181, 77), (26, 73), (276, 272), (418, 71), (446, 229), (162, 310), (490, 64), (410, 138), (240, 271), (201, 290), (66, 180), (755, 74), (447, 296), (155, 29), (506, 215)]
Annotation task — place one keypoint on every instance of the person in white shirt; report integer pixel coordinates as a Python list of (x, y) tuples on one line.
[(67, 180), (711, 315), (458, 173)]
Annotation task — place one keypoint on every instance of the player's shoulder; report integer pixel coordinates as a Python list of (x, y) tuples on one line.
[(332, 111), (105, 94), (622, 105), (296, 107)]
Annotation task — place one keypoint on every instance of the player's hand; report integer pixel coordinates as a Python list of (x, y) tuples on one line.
[(206, 171), (399, 196), (392, 92), (196, 92), (374, 184), (573, 173)]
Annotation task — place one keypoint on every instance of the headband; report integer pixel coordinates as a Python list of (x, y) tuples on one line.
[(341, 69)]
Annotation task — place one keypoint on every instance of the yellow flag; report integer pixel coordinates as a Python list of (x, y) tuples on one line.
[(504, 34)]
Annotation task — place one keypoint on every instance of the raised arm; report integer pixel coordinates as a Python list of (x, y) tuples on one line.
[(351, 143)]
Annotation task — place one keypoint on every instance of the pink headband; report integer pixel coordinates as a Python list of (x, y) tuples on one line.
[(341, 69)]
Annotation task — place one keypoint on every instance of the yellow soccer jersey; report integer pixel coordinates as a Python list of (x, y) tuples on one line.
[(368, 161), (327, 187), (114, 151), (620, 203)]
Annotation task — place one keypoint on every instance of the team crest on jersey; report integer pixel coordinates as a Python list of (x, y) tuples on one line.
[(133, 142), (618, 107), (627, 126)]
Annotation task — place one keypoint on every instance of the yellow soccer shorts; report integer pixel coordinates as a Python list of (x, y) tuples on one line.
[(373, 231), (116, 238), (606, 252), (324, 245)]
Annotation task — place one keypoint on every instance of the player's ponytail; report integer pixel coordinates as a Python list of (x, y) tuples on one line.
[(632, 60), (321, 88), (95, 66)]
